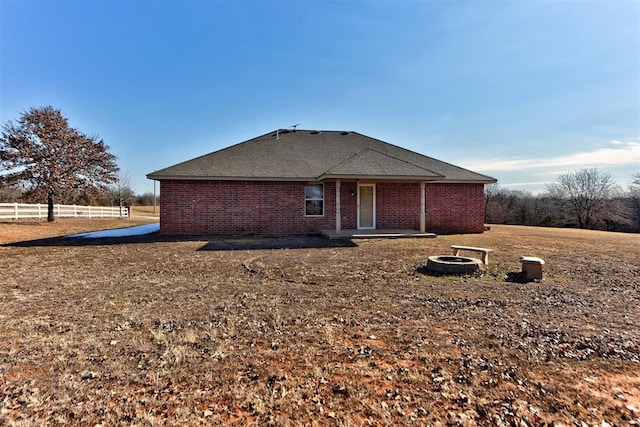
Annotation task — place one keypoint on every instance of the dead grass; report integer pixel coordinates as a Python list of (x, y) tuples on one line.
[(145, 211), (168, 332)]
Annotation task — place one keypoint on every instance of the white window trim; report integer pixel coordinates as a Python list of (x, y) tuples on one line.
[(372, 185), (307, 199)]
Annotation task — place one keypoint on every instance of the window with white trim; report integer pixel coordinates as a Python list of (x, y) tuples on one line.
[(314, 200)]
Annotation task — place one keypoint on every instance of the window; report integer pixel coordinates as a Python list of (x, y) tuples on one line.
[(314, 200)]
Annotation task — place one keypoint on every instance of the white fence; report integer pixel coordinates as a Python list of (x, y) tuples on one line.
[(25, 210)]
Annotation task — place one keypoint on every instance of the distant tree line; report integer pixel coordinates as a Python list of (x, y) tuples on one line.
[(110, 196), (586, 198)]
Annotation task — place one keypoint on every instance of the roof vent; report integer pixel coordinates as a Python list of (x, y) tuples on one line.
[(315, 132), (280, 132), (345, 133)]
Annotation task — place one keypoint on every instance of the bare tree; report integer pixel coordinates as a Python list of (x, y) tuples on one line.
[(43, 153), (588, 191), (10, 193), (490, 193), (634, 194), (145, 199), (120, 192)]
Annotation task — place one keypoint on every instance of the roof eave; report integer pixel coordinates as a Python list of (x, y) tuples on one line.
[(431, 179), (380, 177), (225, 178), (465, 181)]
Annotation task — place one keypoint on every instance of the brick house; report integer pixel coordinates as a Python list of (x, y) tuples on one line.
[(302, 182)]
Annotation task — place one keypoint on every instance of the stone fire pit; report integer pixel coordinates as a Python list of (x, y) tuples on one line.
[(449, 264)]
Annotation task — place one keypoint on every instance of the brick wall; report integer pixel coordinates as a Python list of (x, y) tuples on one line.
[(454, 208), (270, 207), (240, 207), (397, 206), (348, 205)]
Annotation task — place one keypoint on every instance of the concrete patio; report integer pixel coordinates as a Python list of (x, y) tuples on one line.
[(374, 234)]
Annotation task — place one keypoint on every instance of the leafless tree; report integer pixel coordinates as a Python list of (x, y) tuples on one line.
[(10, 193), (490, 192), (145, 199), (634, 194), (43, 153), (120, 192), (589, 193)]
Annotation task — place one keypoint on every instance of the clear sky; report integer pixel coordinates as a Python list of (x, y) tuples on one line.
[(519, 90)]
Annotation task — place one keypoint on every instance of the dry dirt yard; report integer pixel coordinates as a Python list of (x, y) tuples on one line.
[(303, 331)]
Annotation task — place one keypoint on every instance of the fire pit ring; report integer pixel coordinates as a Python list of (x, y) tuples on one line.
[(449, 264)]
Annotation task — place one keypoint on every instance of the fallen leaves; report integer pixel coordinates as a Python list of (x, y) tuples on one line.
[(163, 332)]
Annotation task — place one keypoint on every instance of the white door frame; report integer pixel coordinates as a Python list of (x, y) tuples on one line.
[(373, 186)]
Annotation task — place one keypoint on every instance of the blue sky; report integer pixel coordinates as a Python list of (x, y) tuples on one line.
[(521, 91)]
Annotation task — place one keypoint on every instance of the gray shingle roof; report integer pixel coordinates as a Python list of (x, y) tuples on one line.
[(315, 155)]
